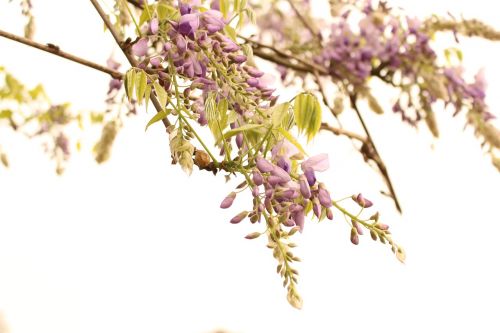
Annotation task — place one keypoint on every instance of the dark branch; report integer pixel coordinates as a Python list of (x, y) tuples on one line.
[(369, 150), (51, 48)]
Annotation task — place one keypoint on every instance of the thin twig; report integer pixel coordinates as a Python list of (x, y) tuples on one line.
[(371, 152), (310, 66), (50, 48), (133, 62), (341, 131), (305, 22)]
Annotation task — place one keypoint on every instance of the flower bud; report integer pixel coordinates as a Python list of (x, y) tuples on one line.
[(282, 174), (153, 26), (354, 237), (228, 201), (324, 197), (240, 217), (329, 214), (316, 208), (382, 226), (305, 190), (257, 178), (362, 201), (255, 191), (253, 235), (298, 217), (264, 165)]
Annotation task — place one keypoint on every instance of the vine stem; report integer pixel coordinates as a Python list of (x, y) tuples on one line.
[(133, 62), (53, 49)]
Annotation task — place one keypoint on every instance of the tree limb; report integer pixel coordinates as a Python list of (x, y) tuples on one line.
[(53, 49), (369, 150), (341, 131)]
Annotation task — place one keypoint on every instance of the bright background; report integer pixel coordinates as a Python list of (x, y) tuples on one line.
[(137, 246)]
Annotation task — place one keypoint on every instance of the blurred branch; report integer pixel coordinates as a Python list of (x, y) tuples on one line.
[(369, 150), (53, 49), (305, 22), (341, 131)]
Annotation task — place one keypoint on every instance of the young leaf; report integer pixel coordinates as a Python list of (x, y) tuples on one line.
[(279, 112), (161, 93), (129, 83), (147, 95), (224, 7), (292, 140), (141, 83), (307, 112), (157, 117), (244, 128)]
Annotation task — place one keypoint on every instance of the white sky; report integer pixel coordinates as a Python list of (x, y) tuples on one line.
[(137, 246)]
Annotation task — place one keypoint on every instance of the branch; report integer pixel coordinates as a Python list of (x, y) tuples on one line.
[(310, 67), (306, 23), (370, 151), (133, 62), (341, 131), (53, 49)]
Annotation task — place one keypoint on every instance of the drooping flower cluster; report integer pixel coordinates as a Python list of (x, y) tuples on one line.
[(198, 72), (380, 42), (367, 39)]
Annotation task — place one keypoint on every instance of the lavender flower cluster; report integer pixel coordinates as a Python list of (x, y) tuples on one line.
[(381, 41)]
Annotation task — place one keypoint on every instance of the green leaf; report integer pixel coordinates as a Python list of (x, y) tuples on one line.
[(161, 93), (244, 128), (224, 7), (292, 140), (157, 117), (147, 95), (5, 114), (307, 112), (279, 112), (141, 82), (145, 14), (129, 83), (230, 32)]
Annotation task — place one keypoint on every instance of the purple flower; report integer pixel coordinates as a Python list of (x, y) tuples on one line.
[(324, 197), (310, 176), (264, 165), (188, 24), (279, 172), (304, 187), (254, 72), (317, 163), (238, 58), (140, 48), (184, 8), (298, 218), (213, 21), (153, 26)]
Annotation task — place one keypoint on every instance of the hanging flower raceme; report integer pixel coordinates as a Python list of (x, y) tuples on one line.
[(198, 72)]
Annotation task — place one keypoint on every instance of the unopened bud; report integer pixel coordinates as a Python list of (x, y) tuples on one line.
[(354, 236), (228, 201), (257, 178), (253, 235), (362, 201), (240, 217)]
